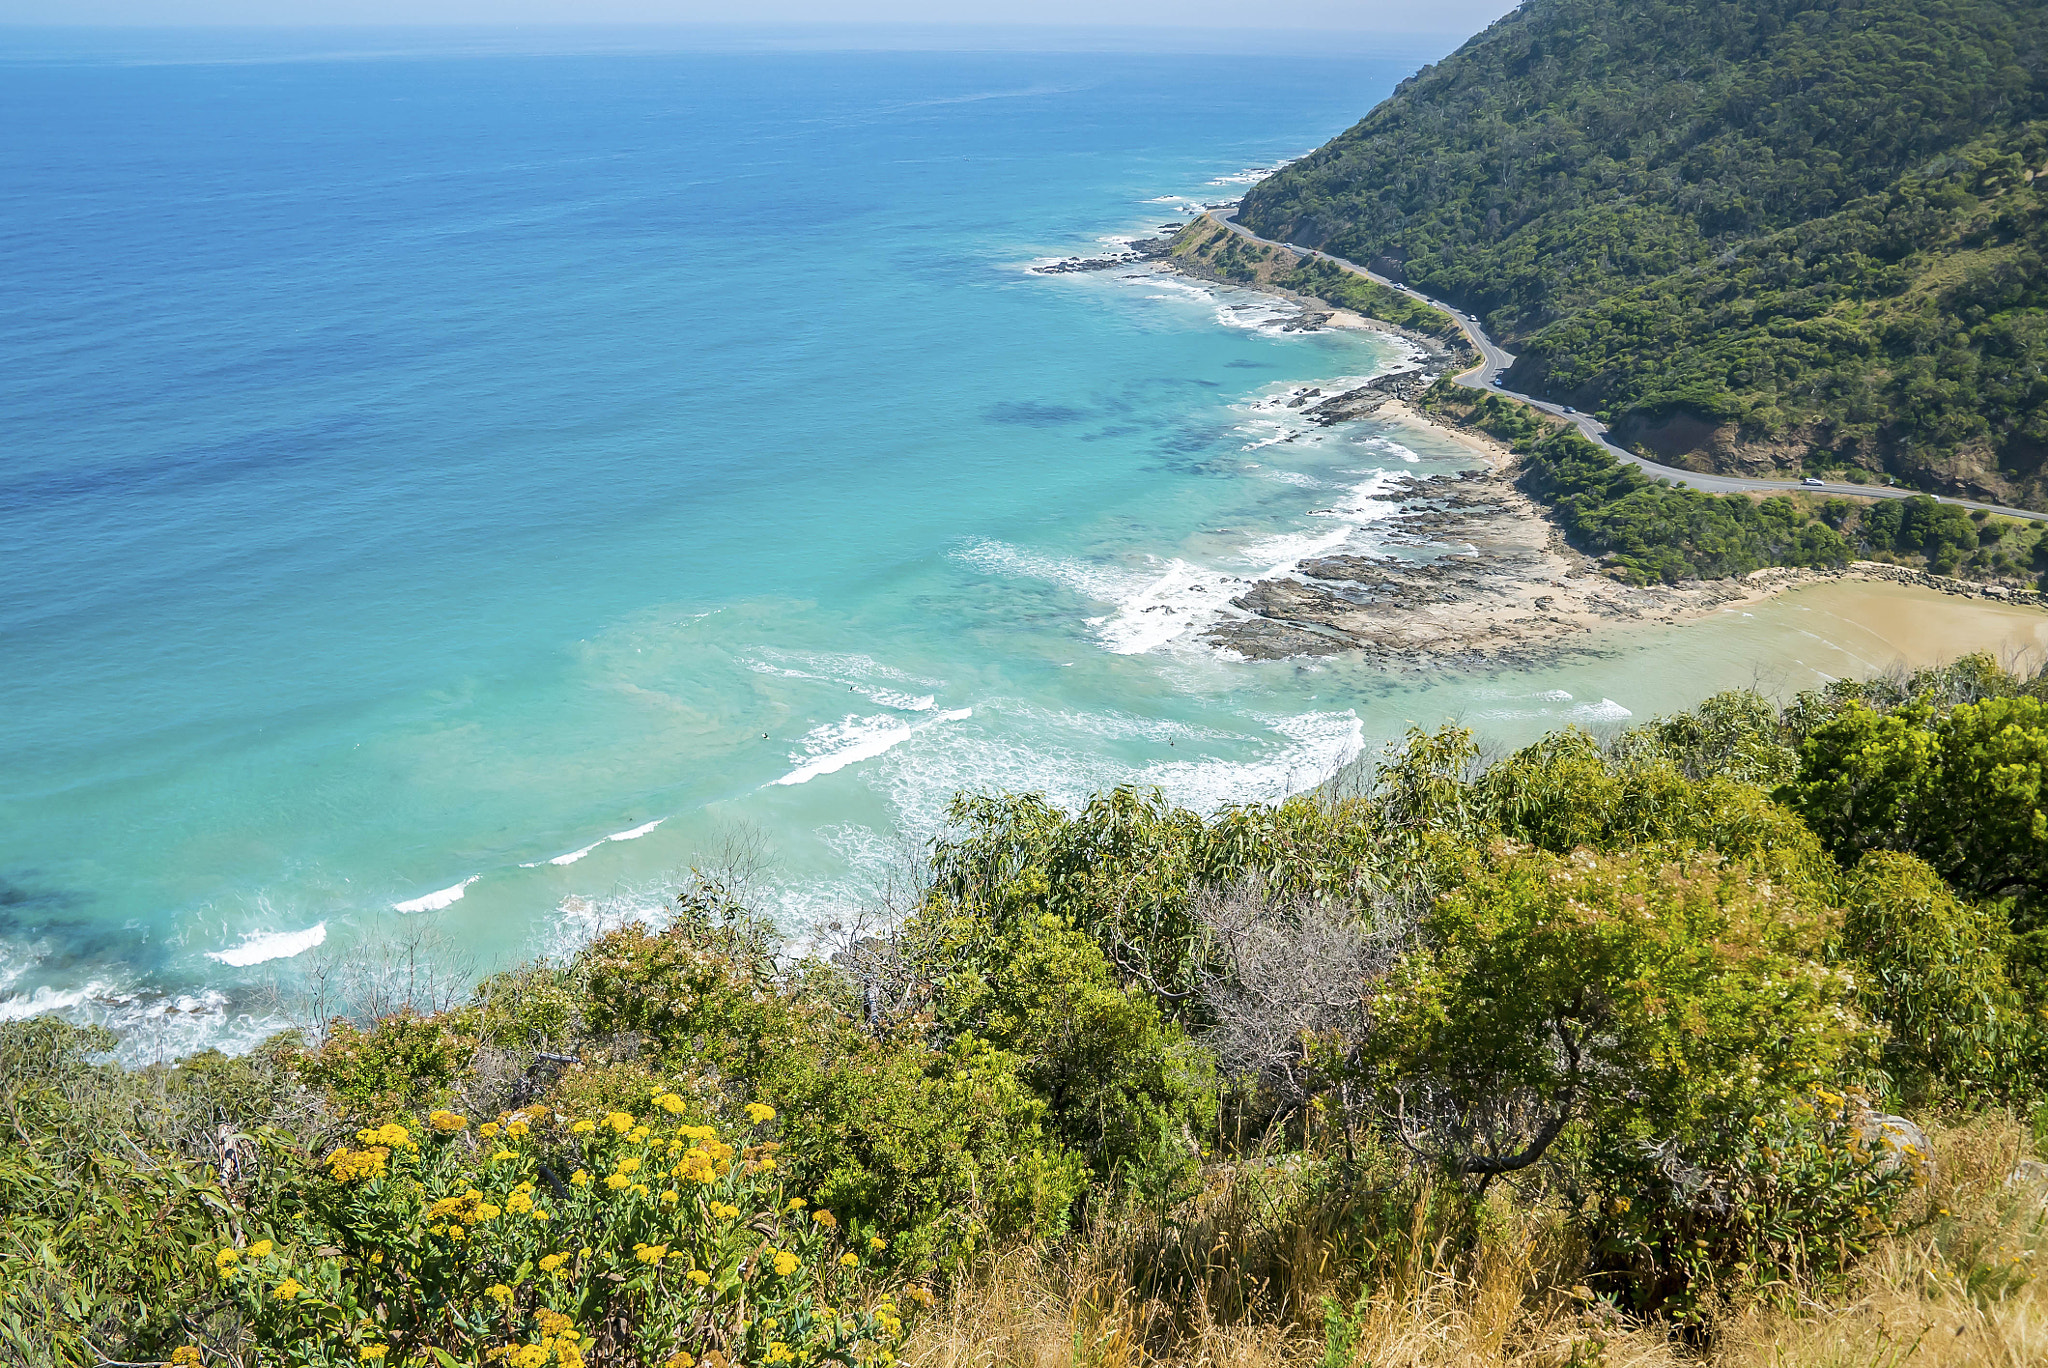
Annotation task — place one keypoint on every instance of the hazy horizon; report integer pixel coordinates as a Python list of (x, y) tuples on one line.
[(1359, 17)]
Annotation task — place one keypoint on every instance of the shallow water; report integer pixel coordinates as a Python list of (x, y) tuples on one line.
[(465, 489)]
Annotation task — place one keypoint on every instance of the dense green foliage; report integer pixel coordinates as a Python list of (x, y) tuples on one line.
[(1216, 250), (1646, 529), (1658, 987), (1787, 226)]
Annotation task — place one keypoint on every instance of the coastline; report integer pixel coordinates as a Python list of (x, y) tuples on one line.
[(1504, 590)]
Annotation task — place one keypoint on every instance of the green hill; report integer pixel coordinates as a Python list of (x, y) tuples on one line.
[(1769, 234)]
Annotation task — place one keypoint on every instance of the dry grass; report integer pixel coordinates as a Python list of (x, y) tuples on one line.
[(1239, 1277)]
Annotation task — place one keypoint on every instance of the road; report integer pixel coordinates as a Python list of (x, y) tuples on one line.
[(1492, 361)]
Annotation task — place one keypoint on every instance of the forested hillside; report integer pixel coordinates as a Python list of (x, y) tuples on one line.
[(1766, 233)]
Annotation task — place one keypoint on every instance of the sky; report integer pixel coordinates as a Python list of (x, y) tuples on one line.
[(1393, 17)]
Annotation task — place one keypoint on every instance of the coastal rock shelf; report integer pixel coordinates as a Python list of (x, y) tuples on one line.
[(1490, 586), (1147, 249)]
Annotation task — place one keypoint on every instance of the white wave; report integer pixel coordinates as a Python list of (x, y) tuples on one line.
[(1178, 286), (1168, 607), (48, 999), (834, 746), (887, 697), (440, 898), (258, 947), (1284, 755), (1391, 447), (151, 1027), (1321, 743), (1606, 710), (1545, 696), (573, 856), (1103, 583)]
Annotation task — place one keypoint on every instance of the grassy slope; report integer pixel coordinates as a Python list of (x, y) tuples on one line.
[(1764, 233)]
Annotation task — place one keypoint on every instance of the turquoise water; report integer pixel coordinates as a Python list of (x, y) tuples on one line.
[(466, 489)]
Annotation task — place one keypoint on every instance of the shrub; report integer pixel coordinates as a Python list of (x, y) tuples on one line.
[(665, 1244), (1965, 789), (1123, 1086), (940, 1143), (1635, 997), (1790, 1198), (1934, 970)]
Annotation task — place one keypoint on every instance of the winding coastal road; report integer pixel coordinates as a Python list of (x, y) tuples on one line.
[(1493, 361)]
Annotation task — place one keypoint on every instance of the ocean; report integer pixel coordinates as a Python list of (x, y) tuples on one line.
[(447, 486)]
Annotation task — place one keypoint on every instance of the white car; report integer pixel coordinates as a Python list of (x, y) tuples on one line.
[(1811, 482)]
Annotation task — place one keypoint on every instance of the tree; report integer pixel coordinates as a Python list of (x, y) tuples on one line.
[(1644, 998), (1962, 789), (1933, 969)]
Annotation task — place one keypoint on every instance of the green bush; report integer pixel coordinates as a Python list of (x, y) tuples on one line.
[(1934, 970)]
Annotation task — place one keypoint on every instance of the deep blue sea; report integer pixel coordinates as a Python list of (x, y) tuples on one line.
[(465, 488)]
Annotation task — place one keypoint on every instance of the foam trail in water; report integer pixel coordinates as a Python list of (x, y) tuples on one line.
[(1103, 583), (440, 898), (259, 947), (835, 746)]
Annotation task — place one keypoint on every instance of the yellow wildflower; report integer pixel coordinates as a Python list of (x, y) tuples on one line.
[(618, 1182), (519, 1204), (584, 1127), (724, 1212), (765, 1166), (877, 1243), (552, 1262), (620, 1122), (629, 1164), (669, 1103), (515, 1129), (372, 1353), (669, 1198), (288, 1289), (529, 1356), (639, 1134), (555, 1323), (650, 1254), (579, 1179), (447, 1122), (639, 1189), (699, 1277), (825, 1219), (487, 1129), (757, 1112), (186, 1356), (794, 1204), (786, 1263), (679, 1359), (226, 1259), (850, 1259), (778, 1352), (260, 1250), (541, 1215), (485, 1212), (499, 1293), (347, 1165)]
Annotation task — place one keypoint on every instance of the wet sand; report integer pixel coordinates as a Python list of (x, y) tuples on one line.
[(1857, 627)]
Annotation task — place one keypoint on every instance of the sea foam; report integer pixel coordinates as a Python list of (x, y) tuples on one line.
[(259, 947), (832, 747), (438, 899)]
